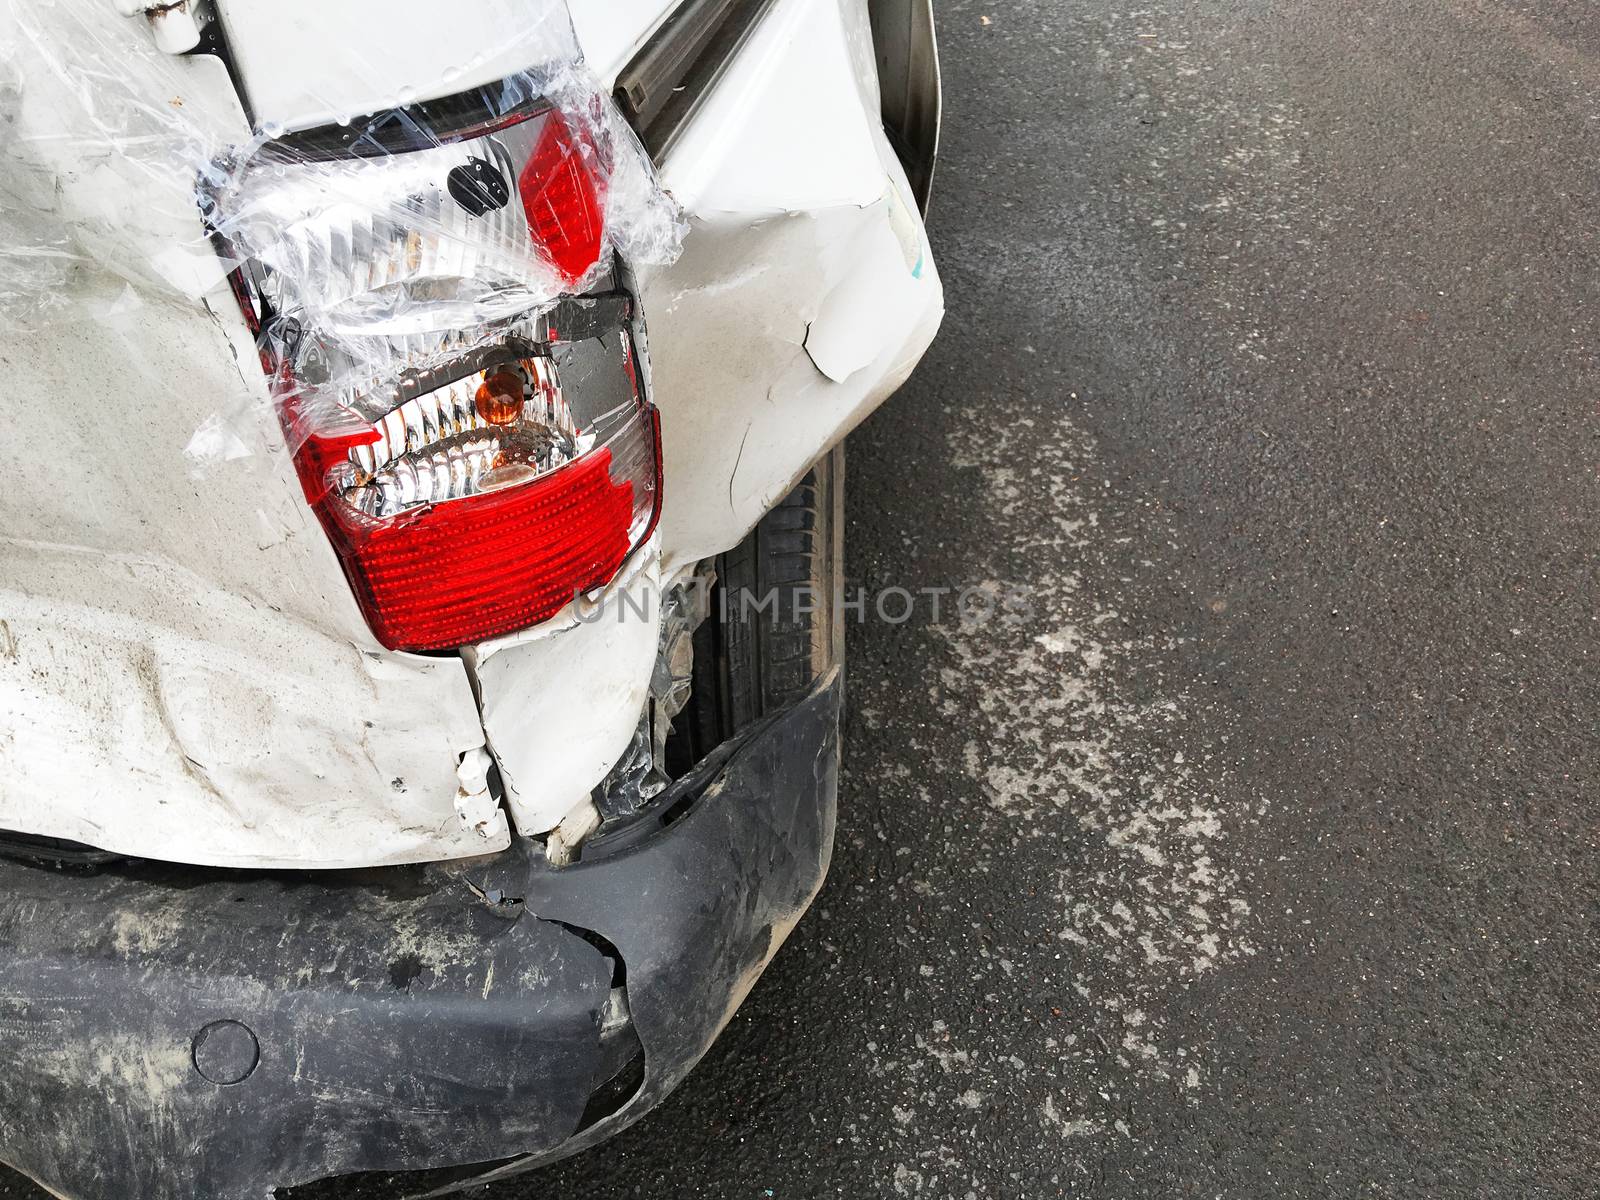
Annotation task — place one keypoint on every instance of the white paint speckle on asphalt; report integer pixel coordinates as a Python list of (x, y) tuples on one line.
[(1067, 737)]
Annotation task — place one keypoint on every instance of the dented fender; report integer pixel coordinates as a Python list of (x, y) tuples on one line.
[(806, 291), (184, 674)]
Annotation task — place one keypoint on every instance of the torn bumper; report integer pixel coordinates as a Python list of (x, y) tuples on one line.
[(171, 1033)]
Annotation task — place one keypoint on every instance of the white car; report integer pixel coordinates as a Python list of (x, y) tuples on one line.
[(420, 637)]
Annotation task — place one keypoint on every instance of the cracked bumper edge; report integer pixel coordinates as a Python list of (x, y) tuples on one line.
[(391, 1020)]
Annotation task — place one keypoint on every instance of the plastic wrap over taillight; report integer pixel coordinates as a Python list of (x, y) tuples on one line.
[(483, 228), (456, 365)]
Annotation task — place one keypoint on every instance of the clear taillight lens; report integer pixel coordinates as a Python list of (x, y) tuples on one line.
[(391, 242), (478, 451)]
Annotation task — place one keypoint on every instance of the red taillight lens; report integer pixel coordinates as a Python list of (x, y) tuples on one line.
[(456, 525), (561, 200), (417, 335), (490, 564)]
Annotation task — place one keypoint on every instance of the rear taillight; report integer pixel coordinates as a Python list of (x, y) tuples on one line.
[(478, 451), (498, 560), (486, 505)]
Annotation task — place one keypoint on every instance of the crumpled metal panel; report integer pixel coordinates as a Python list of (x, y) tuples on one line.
[(183, 672), (560, 703), (806, 267)]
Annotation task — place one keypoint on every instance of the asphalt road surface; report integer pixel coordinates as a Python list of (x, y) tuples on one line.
[(1260, 859)]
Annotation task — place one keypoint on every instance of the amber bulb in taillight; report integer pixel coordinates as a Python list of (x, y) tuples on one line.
[(499, 398)]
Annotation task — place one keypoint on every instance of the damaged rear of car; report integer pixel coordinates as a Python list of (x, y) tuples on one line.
[(420, 656)]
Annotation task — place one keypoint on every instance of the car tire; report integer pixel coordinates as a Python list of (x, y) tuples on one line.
[(775, 625)]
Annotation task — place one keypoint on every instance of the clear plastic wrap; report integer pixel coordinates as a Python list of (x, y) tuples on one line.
[(369, 252), (101, 141)]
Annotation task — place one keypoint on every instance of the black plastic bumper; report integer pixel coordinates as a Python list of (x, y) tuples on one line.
[(174, 1034)]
